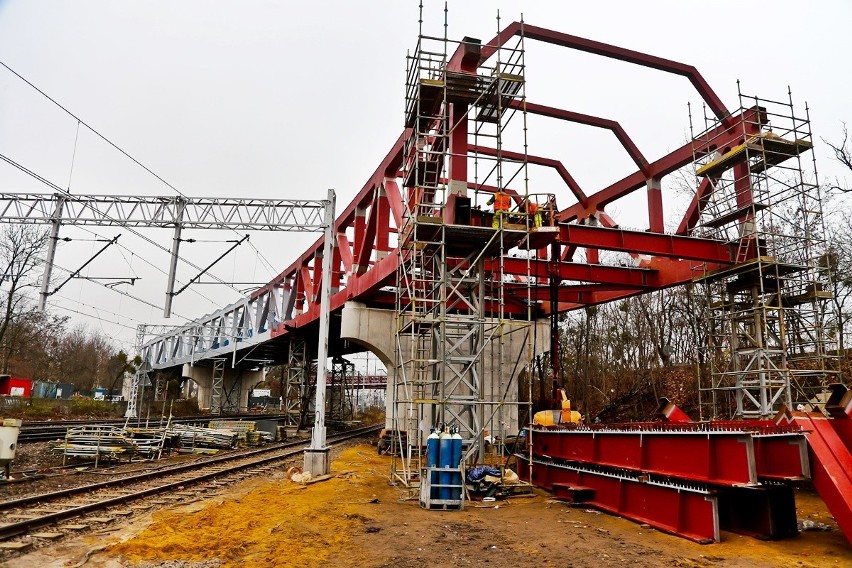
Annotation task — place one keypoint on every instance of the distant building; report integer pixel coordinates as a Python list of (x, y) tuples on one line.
[(15, 386)]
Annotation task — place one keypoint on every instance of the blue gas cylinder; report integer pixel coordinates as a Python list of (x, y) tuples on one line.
[(445, 460), (456, 456), (432, 451)]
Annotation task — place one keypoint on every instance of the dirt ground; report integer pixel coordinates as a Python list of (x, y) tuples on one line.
[(357, 519)]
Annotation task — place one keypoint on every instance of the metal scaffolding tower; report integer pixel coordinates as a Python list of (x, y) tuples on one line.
[(140, 377), (217, 393), (340, 404), (766, 343), (450, 306), (297, 389)]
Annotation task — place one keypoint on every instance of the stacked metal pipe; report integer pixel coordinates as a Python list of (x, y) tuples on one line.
[(95, 442)]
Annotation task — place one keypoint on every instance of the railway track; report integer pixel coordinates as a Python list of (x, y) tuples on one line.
[(44, 431), (25, 515)]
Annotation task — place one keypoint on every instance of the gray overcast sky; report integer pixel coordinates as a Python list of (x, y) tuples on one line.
[(285, 99)]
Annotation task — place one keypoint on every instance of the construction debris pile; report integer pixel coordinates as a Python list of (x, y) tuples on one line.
[(95, 442), (111, 443), (197, 440), (247, 431)]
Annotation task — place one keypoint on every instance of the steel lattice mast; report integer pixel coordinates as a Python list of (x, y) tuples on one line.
[(177, 212)]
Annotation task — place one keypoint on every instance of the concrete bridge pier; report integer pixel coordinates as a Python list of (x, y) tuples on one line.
[(375, 329), (236, 382)]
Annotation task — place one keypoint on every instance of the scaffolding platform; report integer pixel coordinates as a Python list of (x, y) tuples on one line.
[(431, 96), (753, 265), (735, 215), (539, 237), (769, 148), (461, 240)]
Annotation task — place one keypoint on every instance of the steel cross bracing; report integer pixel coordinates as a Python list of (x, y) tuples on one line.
[(242, 214), (217, 399), (240, 325)]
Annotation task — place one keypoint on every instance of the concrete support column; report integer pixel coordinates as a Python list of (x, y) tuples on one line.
[(203, 377), (375, 329)]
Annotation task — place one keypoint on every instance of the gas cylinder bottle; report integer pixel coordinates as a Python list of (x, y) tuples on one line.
[(445, 460), (456, 456), (432, 453)]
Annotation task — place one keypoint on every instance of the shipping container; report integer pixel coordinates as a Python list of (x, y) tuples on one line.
[(15, 386), (64, 390)]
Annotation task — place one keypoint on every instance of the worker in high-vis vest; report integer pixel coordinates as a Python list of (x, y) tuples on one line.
[(532, 210), (501, 207)]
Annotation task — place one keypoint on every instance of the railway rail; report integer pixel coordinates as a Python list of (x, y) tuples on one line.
[(26, 514)]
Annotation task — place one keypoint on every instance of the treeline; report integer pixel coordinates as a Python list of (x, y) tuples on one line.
[(617, 359), (41, 345)]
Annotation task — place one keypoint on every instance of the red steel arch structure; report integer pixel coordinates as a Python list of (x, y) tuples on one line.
[(365, 256), (364, 263)]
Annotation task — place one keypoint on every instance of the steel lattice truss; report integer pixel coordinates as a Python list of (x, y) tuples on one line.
[(243, 214), (366, 257)]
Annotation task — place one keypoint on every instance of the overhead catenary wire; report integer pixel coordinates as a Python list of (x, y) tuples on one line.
[(153, 265), (102, 310), (101, 319), (115, 146), (73, 155), (116, 221), (122, 292)]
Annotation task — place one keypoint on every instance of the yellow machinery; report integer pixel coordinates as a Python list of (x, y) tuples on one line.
[(563, 416)]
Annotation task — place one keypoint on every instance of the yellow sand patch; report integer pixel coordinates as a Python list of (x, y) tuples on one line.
[(276, 523)]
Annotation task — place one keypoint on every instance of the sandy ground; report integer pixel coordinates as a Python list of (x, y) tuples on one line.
[(358, 519)]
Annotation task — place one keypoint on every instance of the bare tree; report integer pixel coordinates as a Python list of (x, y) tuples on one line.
[(119, 364), (20, 253), (843, 154), (838, 261)]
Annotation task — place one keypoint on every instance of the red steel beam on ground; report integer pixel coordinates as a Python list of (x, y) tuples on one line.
[(781, 456), (717, 457), (831, 467), (639, 242), (685, 511)]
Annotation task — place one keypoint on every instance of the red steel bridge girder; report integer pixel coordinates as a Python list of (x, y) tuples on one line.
[(380, 201), (831, 465), (680, 510), (603, 49), (721, 458), (645, 243)]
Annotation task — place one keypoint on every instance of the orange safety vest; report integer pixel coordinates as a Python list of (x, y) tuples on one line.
[(532, 208), (501, 202)]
